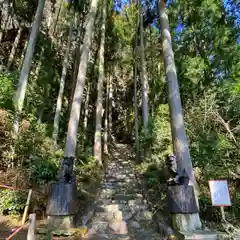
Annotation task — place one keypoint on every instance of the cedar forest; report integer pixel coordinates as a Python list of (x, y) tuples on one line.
[(77, 77)]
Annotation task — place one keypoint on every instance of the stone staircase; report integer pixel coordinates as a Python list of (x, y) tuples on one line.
[(121, 211)]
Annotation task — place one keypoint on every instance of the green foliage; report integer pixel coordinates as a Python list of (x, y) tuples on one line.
[(44, 171), (11, 202), (87, 169), (6, 90), (126, 24), (159, 136), (24, 9)]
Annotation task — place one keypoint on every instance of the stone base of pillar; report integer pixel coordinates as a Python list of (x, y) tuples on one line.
[(62, 223), (183, 206), (186, 222)]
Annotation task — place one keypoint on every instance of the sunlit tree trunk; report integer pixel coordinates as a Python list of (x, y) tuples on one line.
[(143, 75), (14, 47), (179, 137), (61, 90), (22, 55), (86, 111), (99, 107), (22, 85), (5, 17), (77, 54), (71, 143), (110, 106), (58, 10), (106, 118), (136, 111), (39, 64)]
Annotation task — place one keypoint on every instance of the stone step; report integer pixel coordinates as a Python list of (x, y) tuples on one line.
[(200, 235), (110, 237), (127, 197), (112, 208)]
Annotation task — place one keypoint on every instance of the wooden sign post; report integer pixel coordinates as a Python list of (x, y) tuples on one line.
[(220, 195)]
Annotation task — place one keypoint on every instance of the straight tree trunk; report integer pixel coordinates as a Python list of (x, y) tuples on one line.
[(85, 120), (78, 52), (22, 85), (71, 142), (99, 107), (14, 47), (106, 119), (110, 105), (179, 137), (136, 111), (61, 90), (57, 16), (39, 64), (22, 55), (143, 75), (5, 17)]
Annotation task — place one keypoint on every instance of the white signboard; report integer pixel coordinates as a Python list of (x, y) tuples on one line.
[(219, 193)]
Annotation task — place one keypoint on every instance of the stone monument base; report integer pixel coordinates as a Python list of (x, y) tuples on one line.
[(60, 223), (186, 222)]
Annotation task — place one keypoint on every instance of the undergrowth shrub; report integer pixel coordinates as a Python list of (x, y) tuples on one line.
[(11, 202), (158, 142), (7, 90)]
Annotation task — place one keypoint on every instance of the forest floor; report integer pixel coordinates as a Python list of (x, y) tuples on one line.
[(8, 225)]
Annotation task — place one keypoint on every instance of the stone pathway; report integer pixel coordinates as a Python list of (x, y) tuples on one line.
[(121, 211)]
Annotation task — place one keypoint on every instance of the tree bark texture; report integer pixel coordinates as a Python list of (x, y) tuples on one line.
[(136, 111), (22, 84), (143, 75), (71, 142), (4, 17), (14, 47), (179, 137), (110, 105), (61, 89), (106, 118), (99, 107), (85, 120)]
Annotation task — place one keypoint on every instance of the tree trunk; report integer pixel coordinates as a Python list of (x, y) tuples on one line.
[(136, 111), (39, 64), (143, 75), (99, 107), (71, 142), (61, 90), (85, 121), (22, 85), (5, 16), (179, 137), (22, 55), (110, 105), (106, 120), (14, 47), (57, 16), (78, 52)]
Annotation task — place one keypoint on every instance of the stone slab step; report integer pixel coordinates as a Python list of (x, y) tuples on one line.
[(127, 197), (110, 237), (200, 235)]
